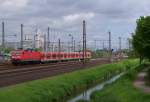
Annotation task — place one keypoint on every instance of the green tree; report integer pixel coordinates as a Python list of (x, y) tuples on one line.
[(6, 50), (141, 39)]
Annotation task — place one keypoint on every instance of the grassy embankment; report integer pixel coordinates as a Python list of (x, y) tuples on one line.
[(122, 90), (62, 87)]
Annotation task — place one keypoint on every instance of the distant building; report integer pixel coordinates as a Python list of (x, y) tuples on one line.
[(28, 44), (39, 40), (14, 45)]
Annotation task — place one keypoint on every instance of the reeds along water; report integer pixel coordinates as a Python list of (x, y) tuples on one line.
[(86, 94)]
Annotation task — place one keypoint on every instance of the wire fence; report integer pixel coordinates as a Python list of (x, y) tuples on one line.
[(71, 39)]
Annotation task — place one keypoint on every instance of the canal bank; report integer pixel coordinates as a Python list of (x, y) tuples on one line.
[(63, 87), (123, 90), (85, 96)]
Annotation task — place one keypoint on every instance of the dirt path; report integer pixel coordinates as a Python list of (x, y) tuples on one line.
[(140, 82)]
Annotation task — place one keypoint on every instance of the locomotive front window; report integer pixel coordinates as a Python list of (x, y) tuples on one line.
[(17, 53)]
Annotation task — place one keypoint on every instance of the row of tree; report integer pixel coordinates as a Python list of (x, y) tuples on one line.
[(141, 38)]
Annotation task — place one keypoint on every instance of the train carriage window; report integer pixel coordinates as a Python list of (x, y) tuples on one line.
[(72, 55), (42, 55), (77, 55), (54, 55), (61, 55), (48, 56), (87, 55), (57, 55), (65, 55)]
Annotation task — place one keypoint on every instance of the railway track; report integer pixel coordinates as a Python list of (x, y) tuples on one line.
[(19, 75), (10, 66), (34, 68)]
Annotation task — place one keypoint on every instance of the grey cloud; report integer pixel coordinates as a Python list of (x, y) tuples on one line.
[(119, 16)]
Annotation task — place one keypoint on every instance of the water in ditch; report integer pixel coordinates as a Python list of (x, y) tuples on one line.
[(86, 94)]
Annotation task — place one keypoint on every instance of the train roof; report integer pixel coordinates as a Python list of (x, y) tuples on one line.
[(63, 52)]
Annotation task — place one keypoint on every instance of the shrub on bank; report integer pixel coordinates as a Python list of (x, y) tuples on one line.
[(82, 101), (122, 91), (147, 77)]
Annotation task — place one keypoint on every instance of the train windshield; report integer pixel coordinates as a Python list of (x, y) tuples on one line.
[(17, 52)]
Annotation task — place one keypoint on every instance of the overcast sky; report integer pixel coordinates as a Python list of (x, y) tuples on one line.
[(118, 16)]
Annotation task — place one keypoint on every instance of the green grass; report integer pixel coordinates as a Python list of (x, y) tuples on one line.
[(62, 87), (121, 91)]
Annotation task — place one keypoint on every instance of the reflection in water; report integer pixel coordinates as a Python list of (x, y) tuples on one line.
[(86, 94)]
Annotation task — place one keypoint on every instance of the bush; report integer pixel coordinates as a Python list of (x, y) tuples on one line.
[(105, 97), (122, 90), (148, 77), (82, 101)]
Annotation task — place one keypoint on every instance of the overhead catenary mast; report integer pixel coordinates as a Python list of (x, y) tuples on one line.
[(110, 50), (120, 43), (84, 41), (3, 34), (21, 42), (48, 39)]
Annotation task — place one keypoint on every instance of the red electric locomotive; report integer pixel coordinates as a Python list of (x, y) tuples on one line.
[(30, 56), (25, 56)]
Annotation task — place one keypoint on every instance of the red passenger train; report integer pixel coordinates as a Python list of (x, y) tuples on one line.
[(30, 56)]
